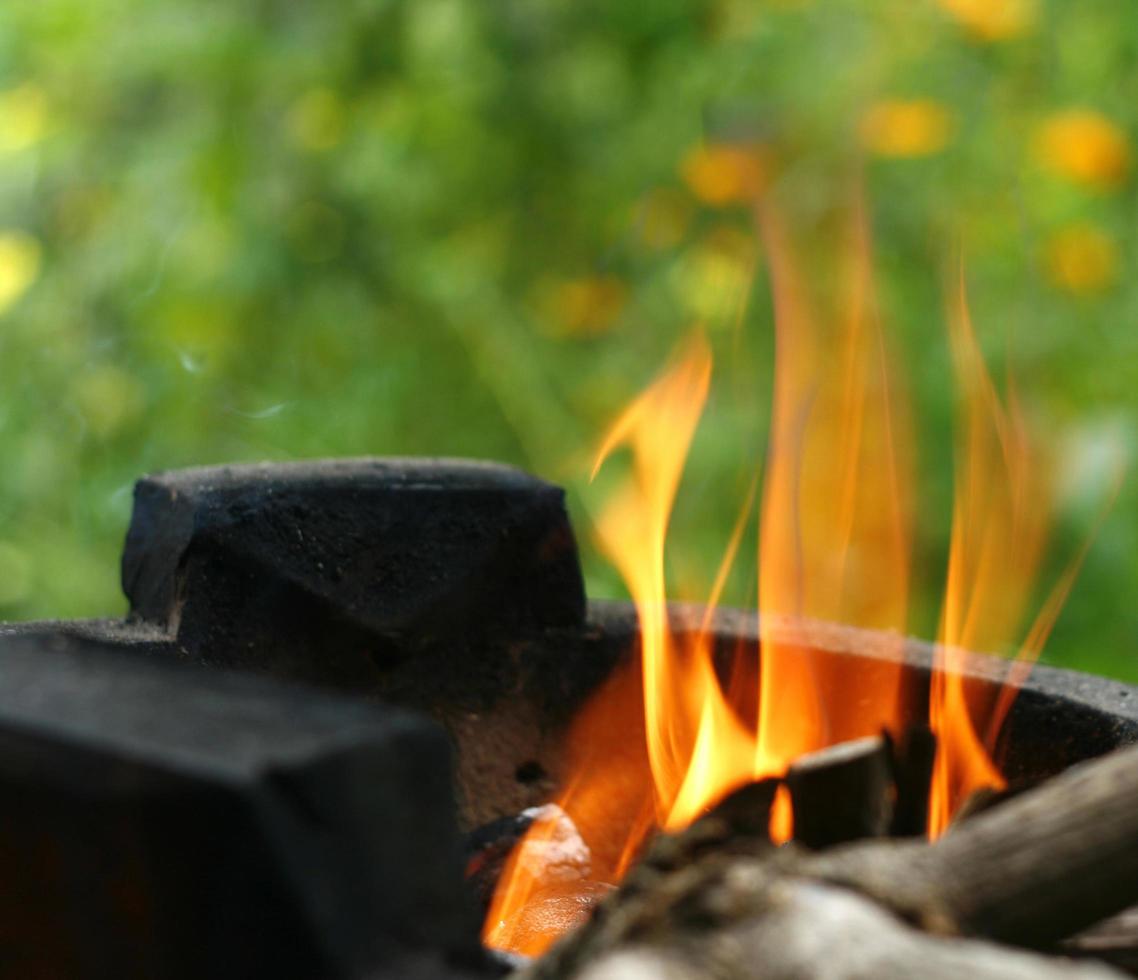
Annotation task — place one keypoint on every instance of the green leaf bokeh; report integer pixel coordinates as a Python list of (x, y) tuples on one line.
[(257, 229)]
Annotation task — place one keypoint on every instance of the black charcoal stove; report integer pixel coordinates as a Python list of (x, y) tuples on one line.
[(331, 673)]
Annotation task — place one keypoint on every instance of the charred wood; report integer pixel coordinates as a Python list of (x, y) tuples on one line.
[(1042, 866), (913, 758), (842, 793), (743, 815)]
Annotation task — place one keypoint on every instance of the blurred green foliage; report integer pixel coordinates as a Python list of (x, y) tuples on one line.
[(258, 229)]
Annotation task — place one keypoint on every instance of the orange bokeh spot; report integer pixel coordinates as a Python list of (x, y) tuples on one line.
[(1085, 147)]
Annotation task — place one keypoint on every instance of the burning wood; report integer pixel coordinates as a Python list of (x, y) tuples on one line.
[(833, 544), (693, 899), (801, 929), (914, 758), (842, 793), (1114, 941), (1039, 868)]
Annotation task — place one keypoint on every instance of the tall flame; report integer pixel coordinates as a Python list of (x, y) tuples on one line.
[(669, 735), (1000, 522), (834, 541), (677, 728), (659, 427)]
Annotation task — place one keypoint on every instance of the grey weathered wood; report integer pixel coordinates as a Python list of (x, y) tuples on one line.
[(1032, 871), (1037, 869), (815, 930), (1114, 941)]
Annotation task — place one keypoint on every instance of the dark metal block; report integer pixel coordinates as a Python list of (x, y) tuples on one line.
[(162, 820), (331, 570)]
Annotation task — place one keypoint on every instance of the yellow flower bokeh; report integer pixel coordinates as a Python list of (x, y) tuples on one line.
[(993, 20), (20, 260), (1085, 147), (663, 218), (905, 128), (108, 398), (317, 119), (585, 307), (1081, 259), (724, 174), (23, 117), (713, 278)]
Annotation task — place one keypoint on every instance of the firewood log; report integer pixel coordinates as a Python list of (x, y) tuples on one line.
[(1037, 869), (814, 930), (1114, 941), (842, 793), (914, 756)]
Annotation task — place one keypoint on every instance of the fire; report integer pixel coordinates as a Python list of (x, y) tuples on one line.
[(834, 536), (999, 525), (1000, 521), (678, 690), (667, 737)]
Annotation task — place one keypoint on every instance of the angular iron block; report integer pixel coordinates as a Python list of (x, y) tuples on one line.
[(267, 563), (163, 820)]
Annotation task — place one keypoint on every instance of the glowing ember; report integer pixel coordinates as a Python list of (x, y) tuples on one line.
[(666, 738)]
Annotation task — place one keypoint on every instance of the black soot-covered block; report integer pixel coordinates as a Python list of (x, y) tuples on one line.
[(160, 820), (327, 571)]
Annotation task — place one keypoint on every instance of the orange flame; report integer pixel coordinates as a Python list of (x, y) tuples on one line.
[(677, 731), (1000, 521), (667, 736), (834, 541), (998, 527), (680, 692)]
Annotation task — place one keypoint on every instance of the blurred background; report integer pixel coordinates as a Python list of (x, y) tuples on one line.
[(257, 229)]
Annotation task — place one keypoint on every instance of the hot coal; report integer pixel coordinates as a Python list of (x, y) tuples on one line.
[(487, 849), (159, 820)]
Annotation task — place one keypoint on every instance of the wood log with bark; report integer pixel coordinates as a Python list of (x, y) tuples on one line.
[(1031, 872)]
